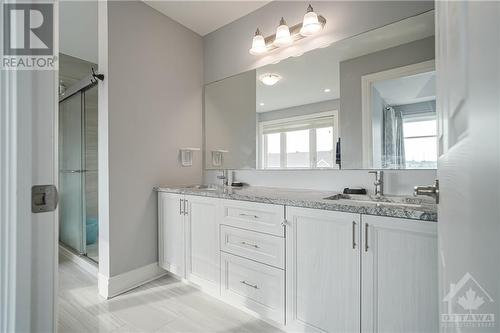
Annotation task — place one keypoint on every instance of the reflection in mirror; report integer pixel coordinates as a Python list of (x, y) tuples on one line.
[(399, 114), (373, 93)]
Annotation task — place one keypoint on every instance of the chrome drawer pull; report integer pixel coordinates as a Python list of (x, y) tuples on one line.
[(249, 215), (250, 244), (250, 285), (353, 234)]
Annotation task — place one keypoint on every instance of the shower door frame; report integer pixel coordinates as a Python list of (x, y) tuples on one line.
[(80, 87)]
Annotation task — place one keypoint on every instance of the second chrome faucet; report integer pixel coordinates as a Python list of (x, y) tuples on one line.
[(379, 182)]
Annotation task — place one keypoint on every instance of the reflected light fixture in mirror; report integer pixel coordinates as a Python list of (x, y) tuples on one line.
[(270, 79), (258, 44), (283, 37), (310, 24)]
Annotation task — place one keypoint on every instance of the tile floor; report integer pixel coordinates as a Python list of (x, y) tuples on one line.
[(164, 305)]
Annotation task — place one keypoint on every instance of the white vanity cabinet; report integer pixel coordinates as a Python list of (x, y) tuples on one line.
[(322, 271), (189, 238), (202, 243), (303, 269), (399, 275), (171, 230)]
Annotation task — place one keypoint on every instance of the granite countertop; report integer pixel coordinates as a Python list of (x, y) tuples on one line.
[(426, 211)]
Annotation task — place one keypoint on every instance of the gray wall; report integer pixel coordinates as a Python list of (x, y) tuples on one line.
[(351, 72), (226, 49), (155, 80), (226, 54)]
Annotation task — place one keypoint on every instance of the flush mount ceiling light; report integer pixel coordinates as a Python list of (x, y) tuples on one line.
[(327, 90), (270, 79), (285, 35)]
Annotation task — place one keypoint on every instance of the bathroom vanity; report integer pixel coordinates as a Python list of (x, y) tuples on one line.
[(305, 263)]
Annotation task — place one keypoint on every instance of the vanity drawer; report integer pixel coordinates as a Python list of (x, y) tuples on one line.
[(254, 216), (257, 246), (255, 286)]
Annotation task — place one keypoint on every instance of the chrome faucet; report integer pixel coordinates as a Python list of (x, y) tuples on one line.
[(224, 177), (379, 182)]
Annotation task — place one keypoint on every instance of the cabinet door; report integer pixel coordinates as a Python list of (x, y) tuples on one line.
[(400, 279), (202, 243), (322, 271), (171, 233)]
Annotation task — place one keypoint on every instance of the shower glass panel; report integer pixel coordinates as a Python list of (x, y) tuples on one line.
[(71, 227), (78, 176)]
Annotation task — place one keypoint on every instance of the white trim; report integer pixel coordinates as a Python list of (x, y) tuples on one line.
[(8, 202), (112, 286), (367, 82), (80, 261), (102, 149)]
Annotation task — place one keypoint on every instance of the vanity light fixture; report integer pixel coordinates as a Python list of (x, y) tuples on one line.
[(270, 79), (310, 24), (258, 44), (285, 35)]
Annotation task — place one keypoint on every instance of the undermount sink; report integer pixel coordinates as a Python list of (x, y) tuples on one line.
[(204, 187), (380, 200)]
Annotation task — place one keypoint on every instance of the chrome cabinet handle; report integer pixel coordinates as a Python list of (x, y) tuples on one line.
[(366, 237), (185, 210), (249, 284), (249, 215), (180, 206), (353, 234), (250, 244)]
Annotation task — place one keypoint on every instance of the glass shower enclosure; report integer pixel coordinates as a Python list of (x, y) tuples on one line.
[(78, 176)]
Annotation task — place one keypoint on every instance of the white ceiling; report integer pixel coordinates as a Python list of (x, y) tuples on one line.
[(305, 78), (206, 16), (408, 89)]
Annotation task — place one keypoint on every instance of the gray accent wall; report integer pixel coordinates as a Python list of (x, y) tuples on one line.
[(351, 72), (155, 80)]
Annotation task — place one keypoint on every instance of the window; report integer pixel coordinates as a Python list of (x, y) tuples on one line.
[(420, 140), (299, 143)]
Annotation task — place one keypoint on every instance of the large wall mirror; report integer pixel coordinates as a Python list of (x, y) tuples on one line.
[(365, 102)]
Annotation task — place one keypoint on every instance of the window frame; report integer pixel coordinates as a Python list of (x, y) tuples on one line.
[(420, 119), (262, 141)]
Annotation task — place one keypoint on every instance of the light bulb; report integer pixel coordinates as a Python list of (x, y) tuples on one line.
[(269, 79), (283, 37), (258, 44), (310, 24)]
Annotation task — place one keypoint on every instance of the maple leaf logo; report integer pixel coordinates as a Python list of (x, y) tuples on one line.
[(470, 301)]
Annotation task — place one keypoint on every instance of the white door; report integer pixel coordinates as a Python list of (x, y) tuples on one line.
[(28, 157), (468, 38), (171, 228), (322, 271), (399, 289), (202, 242)]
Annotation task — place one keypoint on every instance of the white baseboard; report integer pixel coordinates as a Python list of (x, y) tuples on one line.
[(112, 286), (81, 262)]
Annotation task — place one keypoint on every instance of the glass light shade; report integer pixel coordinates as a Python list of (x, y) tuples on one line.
[(269, 79), (310, 24), (258, 45), (283, 37)]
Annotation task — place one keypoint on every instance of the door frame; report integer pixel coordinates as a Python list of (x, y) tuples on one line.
[(367, 82), (20, 283)]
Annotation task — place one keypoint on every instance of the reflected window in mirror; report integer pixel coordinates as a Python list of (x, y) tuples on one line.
[(305, 142)]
